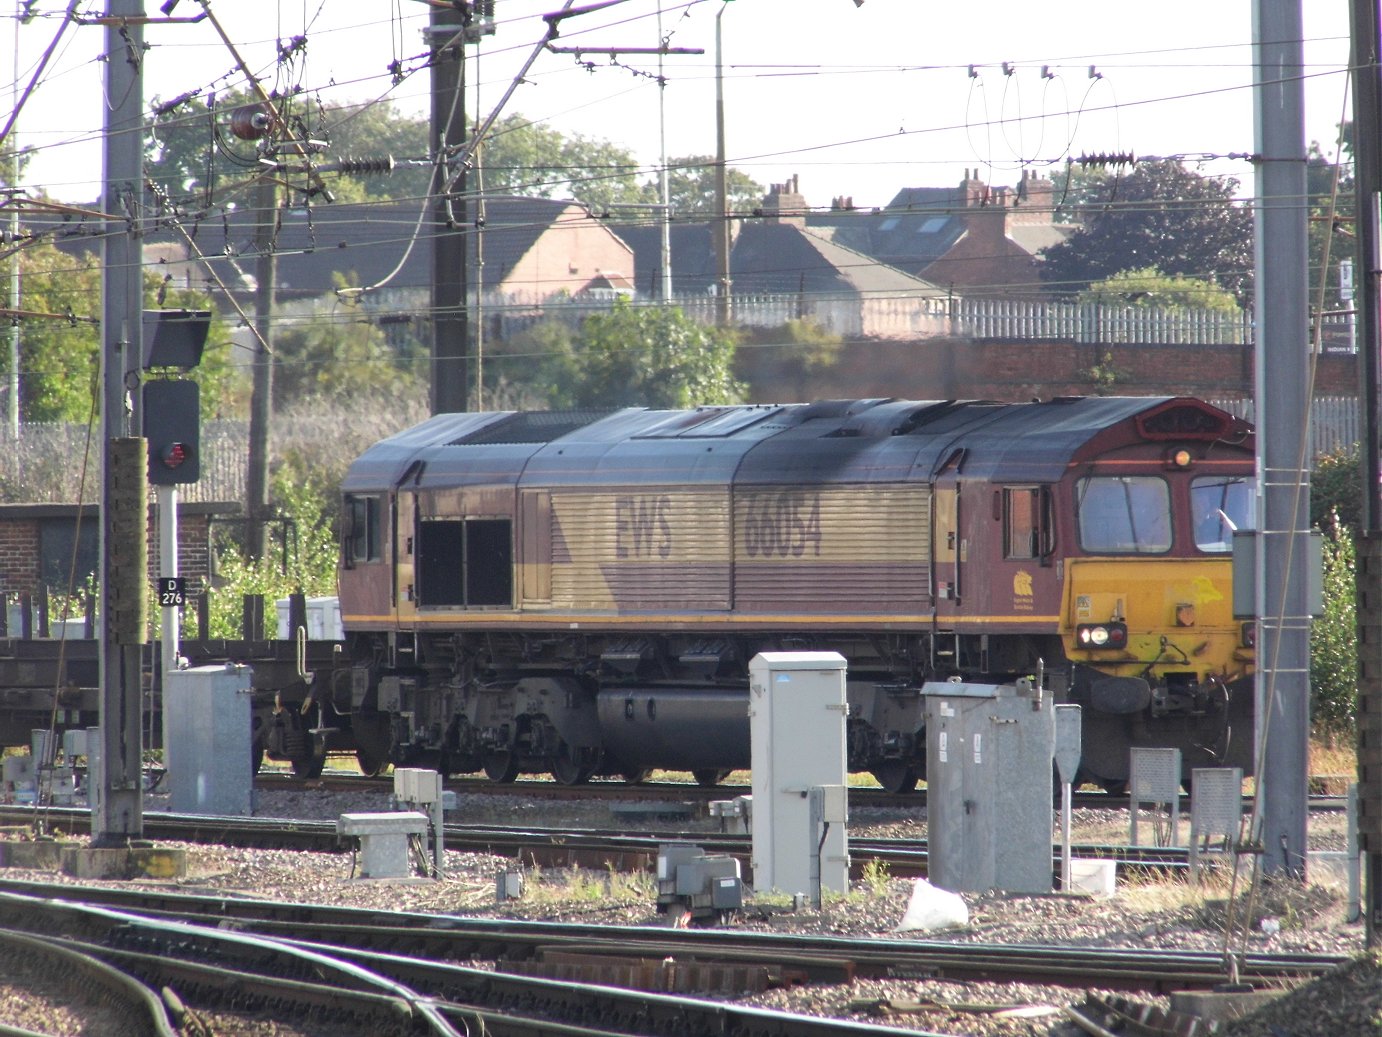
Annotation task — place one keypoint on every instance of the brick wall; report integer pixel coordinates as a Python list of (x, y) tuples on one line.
[(20, 526), (947, 368)]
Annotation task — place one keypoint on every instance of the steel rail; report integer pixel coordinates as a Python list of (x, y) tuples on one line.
[(585, 848), (81, 969), (434, 937)]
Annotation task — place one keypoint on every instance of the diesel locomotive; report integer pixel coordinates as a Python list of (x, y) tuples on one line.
[(581, 593)]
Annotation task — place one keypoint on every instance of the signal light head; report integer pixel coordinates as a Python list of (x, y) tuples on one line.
[(1102, 635), (173, 455)]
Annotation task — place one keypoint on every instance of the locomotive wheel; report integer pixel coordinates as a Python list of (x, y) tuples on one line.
[(373, 742), (636, 775), (501, 767), (571, 765), (896, 776), (309, 766), (708, 778)]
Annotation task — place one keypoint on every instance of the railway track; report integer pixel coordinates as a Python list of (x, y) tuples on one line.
[(425, 940), (674, 791), (604, 849)]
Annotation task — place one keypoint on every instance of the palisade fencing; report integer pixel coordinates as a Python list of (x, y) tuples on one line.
[(915, 316), (1335, 421)]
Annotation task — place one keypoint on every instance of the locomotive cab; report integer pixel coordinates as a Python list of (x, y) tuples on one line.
[(1156, 655)]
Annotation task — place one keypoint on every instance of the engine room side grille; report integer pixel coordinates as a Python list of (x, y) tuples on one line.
[(532, 427)]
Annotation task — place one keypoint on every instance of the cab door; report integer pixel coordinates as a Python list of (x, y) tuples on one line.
[(949, 547)]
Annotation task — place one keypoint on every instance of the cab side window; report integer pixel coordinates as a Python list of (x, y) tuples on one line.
[(361, 537)]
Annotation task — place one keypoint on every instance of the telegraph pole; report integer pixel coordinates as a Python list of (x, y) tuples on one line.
[(117, 816), (262, 371), (1282, 390), (450, 320), (1367, 151), (721, 232)]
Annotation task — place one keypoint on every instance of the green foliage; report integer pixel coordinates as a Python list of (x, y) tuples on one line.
[(521, 157), (691, 187), (337, 351), (311, 555), (59, 356), (793, 357), (1104, 376), (59, 359), (1334, 641), (1332, 197), (191, 151), (643, 357), (1149, 288), (1162, 216), (1336, 489)]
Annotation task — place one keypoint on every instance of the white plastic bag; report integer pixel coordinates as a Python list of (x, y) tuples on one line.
[(931, 909)]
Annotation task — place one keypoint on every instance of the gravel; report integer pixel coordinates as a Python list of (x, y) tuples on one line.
[(1145, 913)]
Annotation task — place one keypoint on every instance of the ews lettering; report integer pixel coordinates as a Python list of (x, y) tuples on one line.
[(782, 524), (642, 527)]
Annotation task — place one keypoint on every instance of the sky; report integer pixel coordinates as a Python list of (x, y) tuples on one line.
[(855, 101)]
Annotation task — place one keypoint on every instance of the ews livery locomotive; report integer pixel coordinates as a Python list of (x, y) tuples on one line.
[(580, 593)]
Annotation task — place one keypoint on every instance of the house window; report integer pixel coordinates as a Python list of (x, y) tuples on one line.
[(464, 562), (933, 224), (361, 535)]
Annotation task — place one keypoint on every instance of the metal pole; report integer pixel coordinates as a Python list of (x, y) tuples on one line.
[(12, 403), (1367, 151), (1282, 381), (168, 567), (450, 321), (262, 369), (119, 816), (722, 238), (662, 140)]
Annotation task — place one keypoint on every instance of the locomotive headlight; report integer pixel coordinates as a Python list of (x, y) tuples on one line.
[(1102, 635), (1179, 459)]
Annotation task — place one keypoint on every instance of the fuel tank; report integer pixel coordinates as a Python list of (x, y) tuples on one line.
[(676, 728)]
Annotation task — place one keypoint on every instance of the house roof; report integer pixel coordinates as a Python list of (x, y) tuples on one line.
[(765, 257), (367, 242)]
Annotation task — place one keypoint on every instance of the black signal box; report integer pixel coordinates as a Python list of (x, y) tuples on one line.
[(172, 426)]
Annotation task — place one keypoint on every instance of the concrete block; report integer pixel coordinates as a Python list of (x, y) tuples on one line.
[(383, 840), (123, 862), (1219, 1006), (40, 854)]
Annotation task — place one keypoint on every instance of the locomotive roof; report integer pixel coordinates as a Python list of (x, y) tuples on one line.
[(832, 441)]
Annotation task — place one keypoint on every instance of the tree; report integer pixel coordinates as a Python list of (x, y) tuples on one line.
[(521, 157), (1151, 289), (59, 356), (1334, 641), (1336, 489), (643, 357), (337, 351), (1331, 191), (691, 187), (192, 148), (1163, 216)]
